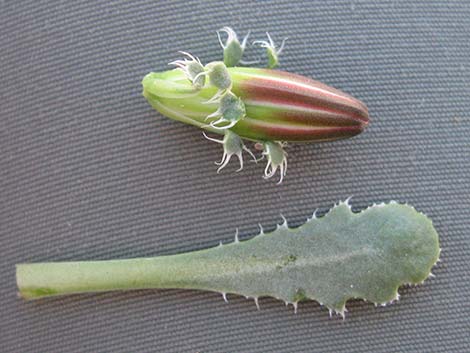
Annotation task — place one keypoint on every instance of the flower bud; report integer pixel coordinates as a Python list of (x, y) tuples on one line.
[(279, 106)]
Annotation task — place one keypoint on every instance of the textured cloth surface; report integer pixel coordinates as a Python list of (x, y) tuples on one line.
[(89, 171)]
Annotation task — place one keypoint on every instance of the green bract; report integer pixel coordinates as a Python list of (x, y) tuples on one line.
[(233, 50), (271, 50)]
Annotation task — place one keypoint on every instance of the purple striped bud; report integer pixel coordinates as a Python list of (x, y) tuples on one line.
[(263, 105), (279, 106), (289, 107)]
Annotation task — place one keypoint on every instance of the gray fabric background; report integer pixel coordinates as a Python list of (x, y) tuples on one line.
[(89, 171)]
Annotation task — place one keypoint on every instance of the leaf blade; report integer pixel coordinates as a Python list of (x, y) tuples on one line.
[(331, 259)]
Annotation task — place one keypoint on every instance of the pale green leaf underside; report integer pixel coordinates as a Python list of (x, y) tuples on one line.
[(330, 259)]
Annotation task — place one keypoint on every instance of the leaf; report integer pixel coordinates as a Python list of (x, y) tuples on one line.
[(331, 259)]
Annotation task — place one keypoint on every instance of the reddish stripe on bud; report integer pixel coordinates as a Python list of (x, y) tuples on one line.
[(304, 113), (258, 129)]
